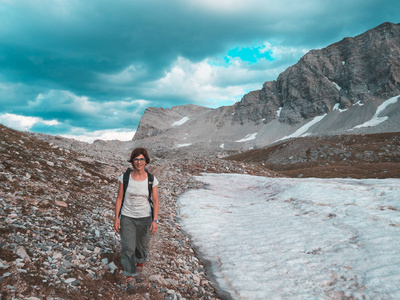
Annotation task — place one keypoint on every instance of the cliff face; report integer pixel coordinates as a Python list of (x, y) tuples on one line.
[(335, 90), (363, 68), (156, 121)]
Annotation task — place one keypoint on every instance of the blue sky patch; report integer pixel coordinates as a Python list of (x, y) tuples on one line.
[(250, 54)]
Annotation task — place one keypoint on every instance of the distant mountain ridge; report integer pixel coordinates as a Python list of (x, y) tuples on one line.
[(351, 86)]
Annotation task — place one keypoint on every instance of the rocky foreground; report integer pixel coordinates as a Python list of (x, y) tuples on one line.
[(56, 214), (57, 209)]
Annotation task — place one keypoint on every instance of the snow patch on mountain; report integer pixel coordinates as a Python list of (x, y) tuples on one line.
[(359, 103), (336, 107), (181, 121), (376, 120), (248, 137), (278, 113), (338, 87), (303, 129)]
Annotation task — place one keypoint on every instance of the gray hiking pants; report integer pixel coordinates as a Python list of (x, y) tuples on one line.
[(135, 238)]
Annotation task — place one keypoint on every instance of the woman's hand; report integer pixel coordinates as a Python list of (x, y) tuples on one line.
[(153, 227), (117, 225)]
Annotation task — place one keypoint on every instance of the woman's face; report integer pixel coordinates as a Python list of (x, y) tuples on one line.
[(139, 162)]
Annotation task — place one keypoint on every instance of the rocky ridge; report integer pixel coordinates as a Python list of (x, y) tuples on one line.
[(364, 68), (56, 215), (343, 84)]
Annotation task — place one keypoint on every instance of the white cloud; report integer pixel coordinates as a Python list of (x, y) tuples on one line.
[(208, 84), (221, 80), (64, 101), (141, 102), (266, 7), (278, 52), (127, 76), (221, 6), (24, 123), (83, 109)]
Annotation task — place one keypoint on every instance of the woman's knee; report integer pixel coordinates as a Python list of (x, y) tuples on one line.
[(128, 245)]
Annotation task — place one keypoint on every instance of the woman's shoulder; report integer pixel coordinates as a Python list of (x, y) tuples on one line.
[(155, 181), (121, 177)]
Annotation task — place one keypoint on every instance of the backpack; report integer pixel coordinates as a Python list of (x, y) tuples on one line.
[(125, 181)]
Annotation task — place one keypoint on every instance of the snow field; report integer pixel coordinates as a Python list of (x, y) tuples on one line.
[(280, 238)]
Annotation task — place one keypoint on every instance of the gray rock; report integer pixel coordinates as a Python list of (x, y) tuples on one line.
[(104, 261), (70, 280), (21, 252), (62, 270), (112, 267)]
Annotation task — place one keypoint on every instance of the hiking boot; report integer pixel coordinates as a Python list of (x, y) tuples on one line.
[(130, 284), (139, 280)]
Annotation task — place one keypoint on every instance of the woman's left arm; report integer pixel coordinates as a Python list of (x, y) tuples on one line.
[(154, 225)]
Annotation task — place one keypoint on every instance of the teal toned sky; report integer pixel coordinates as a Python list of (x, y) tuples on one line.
[(89, 68)]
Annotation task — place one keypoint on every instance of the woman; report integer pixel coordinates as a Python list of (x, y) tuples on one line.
[(134, 218)]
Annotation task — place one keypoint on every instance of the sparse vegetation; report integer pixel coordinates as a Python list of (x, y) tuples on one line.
[(353, 156)]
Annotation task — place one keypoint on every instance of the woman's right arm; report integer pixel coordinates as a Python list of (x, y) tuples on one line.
[(118, 203)]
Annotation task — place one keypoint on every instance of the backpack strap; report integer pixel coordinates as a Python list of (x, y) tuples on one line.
[(150, 180), (125, 182)]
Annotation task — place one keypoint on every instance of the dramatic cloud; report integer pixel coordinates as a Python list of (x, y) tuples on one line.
[(24, 123), (97, 65)]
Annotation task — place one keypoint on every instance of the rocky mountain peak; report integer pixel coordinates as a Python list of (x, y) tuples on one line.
[(363, 68), (158, 120), (340, 89)]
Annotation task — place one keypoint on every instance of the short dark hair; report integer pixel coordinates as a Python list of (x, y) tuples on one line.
[(136, 152)]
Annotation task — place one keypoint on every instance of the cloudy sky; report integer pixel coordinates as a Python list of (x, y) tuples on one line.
[(89, 68)]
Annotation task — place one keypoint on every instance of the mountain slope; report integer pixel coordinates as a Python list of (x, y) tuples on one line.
[(55, 214), (354, 156), (349, 87)]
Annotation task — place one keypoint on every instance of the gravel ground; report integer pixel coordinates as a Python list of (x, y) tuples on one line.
[(56, 213), (57, 207)]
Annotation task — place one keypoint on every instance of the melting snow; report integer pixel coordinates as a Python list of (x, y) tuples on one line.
[(181, 121), (336, 107), (359, 103), (248, 137), (337, 86), (284, 238), (279, 111), (303, 129), (376, 120)]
